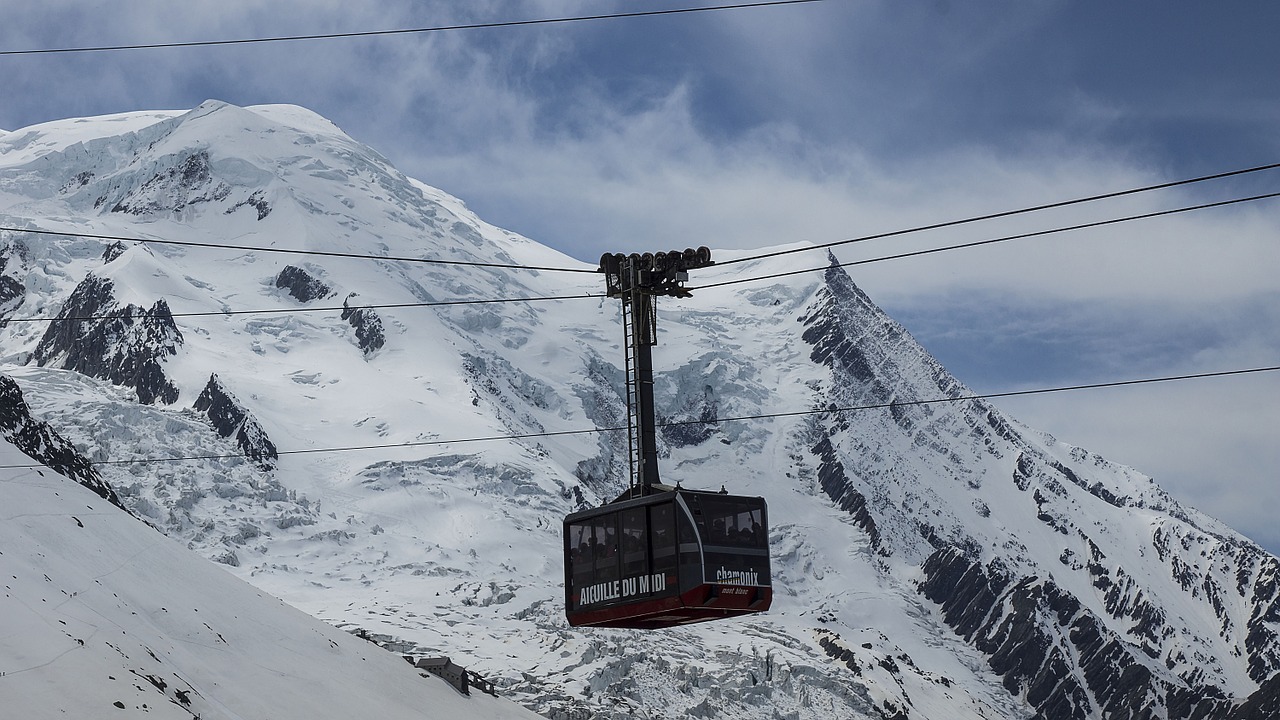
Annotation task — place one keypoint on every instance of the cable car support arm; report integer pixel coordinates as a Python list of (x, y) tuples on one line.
[(637, 280)]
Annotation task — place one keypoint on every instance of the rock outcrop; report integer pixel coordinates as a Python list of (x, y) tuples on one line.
[(42, 443), (230, 418), (367, 324), (302, 285), (94, 335), (12, 291)]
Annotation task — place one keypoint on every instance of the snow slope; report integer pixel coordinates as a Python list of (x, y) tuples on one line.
[(323, 427), (101, 612)]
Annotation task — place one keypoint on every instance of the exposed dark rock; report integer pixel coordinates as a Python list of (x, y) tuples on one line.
[(1001, 427), (836, 484), (188, 181), (367, 324), (1263, 641), (12, 290), (94, 336), (1066, 657), (231, 419), (113, 251), (829, 642), (1022, 472), (42, 443), (833, 347), (692, 424), (302, 285), (1031, 630), (80, 179), (865, 350), (256, 201), (1264, 704)]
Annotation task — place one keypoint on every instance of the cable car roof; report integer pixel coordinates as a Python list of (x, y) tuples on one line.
[(657, 494)]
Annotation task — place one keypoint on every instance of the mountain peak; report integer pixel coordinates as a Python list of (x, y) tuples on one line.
[(298, 117)]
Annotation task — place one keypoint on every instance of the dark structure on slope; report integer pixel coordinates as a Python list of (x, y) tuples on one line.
[(367, 324), (230, 418), (1010, 620), (302, 285), (13, 260), (93, 335), (42, 443)]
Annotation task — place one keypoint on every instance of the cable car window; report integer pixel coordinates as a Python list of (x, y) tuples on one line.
[(635, 542), (736, 522), (606, 547), (581, 554), (662, 525), (690, 544)]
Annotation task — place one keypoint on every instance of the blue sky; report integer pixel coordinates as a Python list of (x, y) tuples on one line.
[(757, 127)]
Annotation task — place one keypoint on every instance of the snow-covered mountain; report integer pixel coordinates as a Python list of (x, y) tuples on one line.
[(101, 613), (310, 422)]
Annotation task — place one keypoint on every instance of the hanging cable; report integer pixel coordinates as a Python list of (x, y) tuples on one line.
[(764, 416), (736, 281), (991, 241), (288, 251), (285, 311), (409, 31), (894, 233), (983, 396), (1008, 213)]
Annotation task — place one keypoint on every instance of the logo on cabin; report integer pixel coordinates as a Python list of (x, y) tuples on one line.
[(737, 577), (626, 587)]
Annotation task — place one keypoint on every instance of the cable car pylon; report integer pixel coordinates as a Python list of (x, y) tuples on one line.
[(659, 555), (637, 280)]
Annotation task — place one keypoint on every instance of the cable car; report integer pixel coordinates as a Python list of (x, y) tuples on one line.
[(660, 556), (671, 557)]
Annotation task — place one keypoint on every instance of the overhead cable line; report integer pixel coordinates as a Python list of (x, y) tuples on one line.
[(1008, 213), (990, 241), (723, 283), (985, 396), (285, 311), (409, 31), (290, 251), (848, 241), (464, 263), (798, 413)]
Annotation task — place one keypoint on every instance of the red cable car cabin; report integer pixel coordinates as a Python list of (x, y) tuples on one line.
[(671, 557)]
